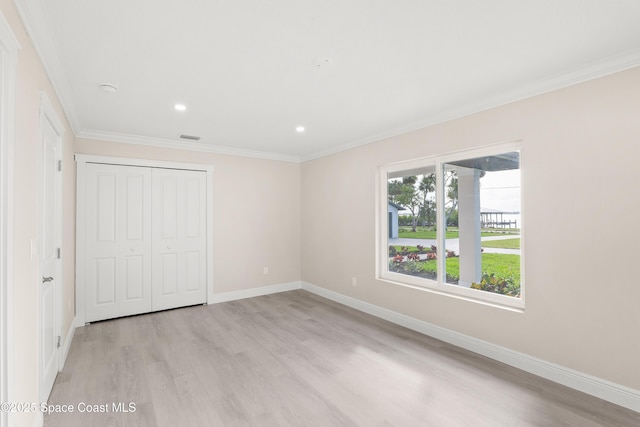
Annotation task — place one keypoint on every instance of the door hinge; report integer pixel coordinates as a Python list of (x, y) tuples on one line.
[(58, 339), (59, 165), (59, 253)]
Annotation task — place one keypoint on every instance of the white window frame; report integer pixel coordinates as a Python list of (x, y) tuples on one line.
[(439, 285)]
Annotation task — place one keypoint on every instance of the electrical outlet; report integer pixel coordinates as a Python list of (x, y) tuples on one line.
[(265, 271), (354, 282)]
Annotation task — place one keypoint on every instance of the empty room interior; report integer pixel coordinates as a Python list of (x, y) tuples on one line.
[(409, 213)]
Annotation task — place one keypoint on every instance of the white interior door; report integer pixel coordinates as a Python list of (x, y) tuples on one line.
[(50, 214), (118, 241), (144, 230), (179, 238)]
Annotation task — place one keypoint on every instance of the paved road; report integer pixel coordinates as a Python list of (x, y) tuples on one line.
[(454, 244)]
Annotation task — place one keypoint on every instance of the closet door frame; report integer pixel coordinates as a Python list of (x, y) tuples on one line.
[(81, 194)]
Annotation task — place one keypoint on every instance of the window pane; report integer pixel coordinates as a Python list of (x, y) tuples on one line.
[(482, 216), (411, 222)]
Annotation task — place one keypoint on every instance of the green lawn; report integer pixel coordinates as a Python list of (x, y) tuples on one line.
[(502, 265), (423, 233), (504, 244)]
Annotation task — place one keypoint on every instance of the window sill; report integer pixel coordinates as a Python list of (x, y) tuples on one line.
[(453, 291)]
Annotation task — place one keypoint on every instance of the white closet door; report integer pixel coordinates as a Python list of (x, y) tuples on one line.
[(118, 241), (179, 238)]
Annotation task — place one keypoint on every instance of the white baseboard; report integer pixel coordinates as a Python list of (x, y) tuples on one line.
[(66, 345), (234, 295), (603, 389), (254, 292)]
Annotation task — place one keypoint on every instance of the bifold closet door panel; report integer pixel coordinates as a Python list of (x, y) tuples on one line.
[(118, 241), (179, 238)]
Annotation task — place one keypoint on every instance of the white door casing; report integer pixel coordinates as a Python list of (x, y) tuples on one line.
[(179, 238), (50, 277), (9, 47)]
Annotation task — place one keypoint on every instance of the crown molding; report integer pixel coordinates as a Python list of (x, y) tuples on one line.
[(183, 145), (35, 23), (625, 61)]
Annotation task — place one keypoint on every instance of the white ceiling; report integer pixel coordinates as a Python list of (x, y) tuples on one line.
[(246, 70)]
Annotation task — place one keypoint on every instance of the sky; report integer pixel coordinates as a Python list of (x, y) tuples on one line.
[(500, 191)]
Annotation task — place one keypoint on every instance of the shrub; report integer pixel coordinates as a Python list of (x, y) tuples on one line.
[(499, 285), (404, 220), (434, 249), (398, 259), (412, 266), (395, 263)]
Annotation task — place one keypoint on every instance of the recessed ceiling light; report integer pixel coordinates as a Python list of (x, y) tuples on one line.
[(180, 107), (108, 88), (299, 129)]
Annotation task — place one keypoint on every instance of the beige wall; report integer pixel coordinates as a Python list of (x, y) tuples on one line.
[(580, 167), (31, 79), (256, 213), (315, 221)]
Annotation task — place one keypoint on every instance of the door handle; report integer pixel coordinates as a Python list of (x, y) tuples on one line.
[(47, 279)]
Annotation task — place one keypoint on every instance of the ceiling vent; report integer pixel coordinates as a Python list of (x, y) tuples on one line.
[(322, 62), (190, 137)]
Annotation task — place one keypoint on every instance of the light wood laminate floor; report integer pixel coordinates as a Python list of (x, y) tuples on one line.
[(295, 359)]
